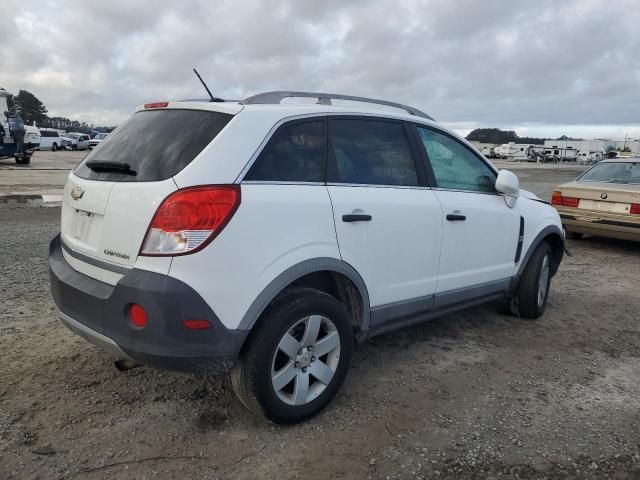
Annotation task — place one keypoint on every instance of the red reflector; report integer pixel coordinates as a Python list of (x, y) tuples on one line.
[(570, 201), (156, 105), (635, 209), (196, 324), (137, 315)]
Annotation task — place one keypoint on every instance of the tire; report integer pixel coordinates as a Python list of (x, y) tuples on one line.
[(533, 290), (54, 147), (26, 160), (74, 148), (263, 360), (575, 235)]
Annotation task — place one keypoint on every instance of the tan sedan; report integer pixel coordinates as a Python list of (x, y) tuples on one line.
[(604, 201)]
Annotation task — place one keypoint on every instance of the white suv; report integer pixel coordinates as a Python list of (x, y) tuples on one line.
[(268, 237)]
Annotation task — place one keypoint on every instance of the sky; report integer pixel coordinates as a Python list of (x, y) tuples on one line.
[(543, 68)]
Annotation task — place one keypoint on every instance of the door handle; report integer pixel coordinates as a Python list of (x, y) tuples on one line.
[(456, 217), (356, 217)]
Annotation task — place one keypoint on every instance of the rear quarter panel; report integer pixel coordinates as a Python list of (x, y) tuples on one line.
[(222, 161), (275, 227)]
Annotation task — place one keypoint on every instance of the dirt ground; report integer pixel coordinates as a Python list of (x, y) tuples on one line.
[(473, 395)]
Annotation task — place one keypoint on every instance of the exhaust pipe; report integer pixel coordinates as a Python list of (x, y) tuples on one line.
[(125, 364)]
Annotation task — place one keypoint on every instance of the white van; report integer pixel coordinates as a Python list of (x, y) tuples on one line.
[(50, 139)]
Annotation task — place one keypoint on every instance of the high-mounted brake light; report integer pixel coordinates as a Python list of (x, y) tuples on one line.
[(558, 199), (187, 220), (156, 105), (635, 209)]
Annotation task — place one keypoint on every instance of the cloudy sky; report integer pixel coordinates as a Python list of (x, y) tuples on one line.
[(543, 68)]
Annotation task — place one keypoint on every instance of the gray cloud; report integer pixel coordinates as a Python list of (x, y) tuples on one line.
[(465, 62)]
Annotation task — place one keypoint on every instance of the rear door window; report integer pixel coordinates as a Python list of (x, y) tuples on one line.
[(155, 144), (369, 152), (295, 153)]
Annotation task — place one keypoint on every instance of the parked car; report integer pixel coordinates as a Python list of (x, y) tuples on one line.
[(32, 137), (95, 141), (604, 201), (267, 238), (50, 139), (75, 141)]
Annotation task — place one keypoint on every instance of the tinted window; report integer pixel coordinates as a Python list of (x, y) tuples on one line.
[(370, 152), (295, 153), (614, 172), (156, 144), (454, 165)]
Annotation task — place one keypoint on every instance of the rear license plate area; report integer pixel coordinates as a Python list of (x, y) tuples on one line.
[(81, 224)]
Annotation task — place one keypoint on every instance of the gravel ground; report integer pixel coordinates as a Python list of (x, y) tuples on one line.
[(473, 395)]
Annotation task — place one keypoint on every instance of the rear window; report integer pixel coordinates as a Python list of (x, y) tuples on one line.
[(156, 144), (613, 172)]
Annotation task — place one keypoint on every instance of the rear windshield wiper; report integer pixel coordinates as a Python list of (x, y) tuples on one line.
[(107, 166)]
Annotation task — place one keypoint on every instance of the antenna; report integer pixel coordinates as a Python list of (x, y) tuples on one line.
[(213, 99)]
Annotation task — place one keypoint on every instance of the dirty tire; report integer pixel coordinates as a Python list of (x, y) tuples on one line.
[(251, 376), (533, 291), (54, 147)]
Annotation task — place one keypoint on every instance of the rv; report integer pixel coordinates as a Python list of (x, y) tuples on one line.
[(515, 151)]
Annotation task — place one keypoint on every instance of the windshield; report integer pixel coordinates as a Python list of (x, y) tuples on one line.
[(613, 172), (100, 136), (72, 135), (155, 144)]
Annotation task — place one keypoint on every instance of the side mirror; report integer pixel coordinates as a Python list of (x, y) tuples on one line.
[(508, 184)]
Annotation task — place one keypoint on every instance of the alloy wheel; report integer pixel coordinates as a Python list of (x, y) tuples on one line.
[(305, 360)]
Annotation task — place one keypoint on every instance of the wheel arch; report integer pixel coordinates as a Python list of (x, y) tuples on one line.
[(330, 275), (552, 235)]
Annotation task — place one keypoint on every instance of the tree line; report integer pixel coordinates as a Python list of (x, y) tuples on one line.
[(497, 136), (31, 109)]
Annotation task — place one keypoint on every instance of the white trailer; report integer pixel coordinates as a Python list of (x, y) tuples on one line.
[(515, 151)]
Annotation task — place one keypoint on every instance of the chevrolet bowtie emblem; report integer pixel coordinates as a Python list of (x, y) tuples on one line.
[(77, 192)]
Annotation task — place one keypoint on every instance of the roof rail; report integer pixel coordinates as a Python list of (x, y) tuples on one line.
[(274, 98)]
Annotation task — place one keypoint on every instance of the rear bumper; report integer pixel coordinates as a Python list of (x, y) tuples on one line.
[(98, 312), (603, 226)]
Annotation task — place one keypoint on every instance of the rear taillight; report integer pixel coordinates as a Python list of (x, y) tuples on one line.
[(558, 199), (187, 220), (635, 209)]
